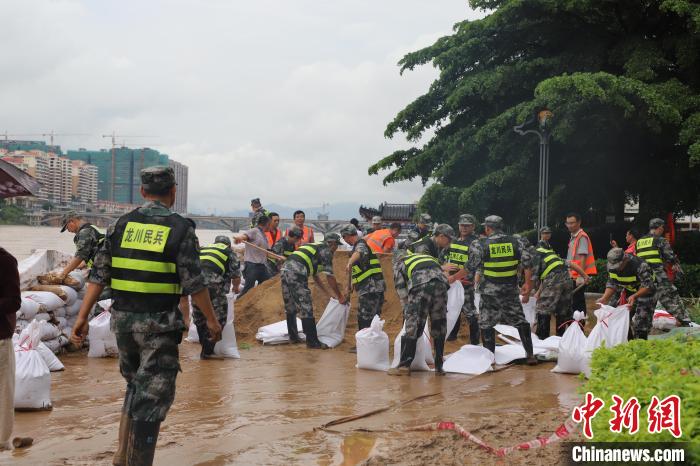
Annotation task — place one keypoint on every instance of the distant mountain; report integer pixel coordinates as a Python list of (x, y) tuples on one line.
[(337, 211)]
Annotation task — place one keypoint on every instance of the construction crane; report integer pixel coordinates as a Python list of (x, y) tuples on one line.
[(53, 134)]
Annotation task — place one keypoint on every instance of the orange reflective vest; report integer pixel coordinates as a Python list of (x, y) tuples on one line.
[(380, 240), (272, 239), (306, 238), (589, 267)]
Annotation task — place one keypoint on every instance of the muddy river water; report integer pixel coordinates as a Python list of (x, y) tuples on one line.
[(264, 407)]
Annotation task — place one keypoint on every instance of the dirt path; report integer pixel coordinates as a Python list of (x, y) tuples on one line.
[(263, 409)]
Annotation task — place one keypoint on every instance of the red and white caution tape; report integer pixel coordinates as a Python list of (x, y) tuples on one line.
[(562, 432)]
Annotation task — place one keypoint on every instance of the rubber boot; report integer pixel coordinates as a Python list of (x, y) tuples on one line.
[(312, 341), (526, 339), (455, 330), (641, 335), (560, 325), (123, 442), (474, 330), (292, 329), (142, 443), (439, 355), (488, 337), (543, 326), (408, 352)]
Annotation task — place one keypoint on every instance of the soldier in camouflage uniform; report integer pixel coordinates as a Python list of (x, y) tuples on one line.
[(221, 269), (366, 277), (634, 275), (150, 258), (555, 288), (284, 247), (87, 240), (308, 260), (423, 226), (458, 254), (656, 251), (434, 244), (422, 287), (497, 258)]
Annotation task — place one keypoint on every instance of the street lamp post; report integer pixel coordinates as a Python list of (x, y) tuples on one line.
[(542, 130)]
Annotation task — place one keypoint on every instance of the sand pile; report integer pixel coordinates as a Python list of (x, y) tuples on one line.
[(264, 305)]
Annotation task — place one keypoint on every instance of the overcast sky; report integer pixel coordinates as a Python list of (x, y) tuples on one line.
[(286, 100)]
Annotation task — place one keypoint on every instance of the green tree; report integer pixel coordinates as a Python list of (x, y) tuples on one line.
[(622, 78), (12, 215)]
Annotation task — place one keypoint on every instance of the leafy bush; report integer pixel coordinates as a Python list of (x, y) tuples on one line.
[(642, 369)]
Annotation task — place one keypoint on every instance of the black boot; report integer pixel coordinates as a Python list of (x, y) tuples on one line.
[(312, 341), (439, 355), (474, 330), (142, 443), (560, 320), (543, 326), (641, 335), (408, 352), (488, 337), (526, 339), (292, 329), (455, 330)]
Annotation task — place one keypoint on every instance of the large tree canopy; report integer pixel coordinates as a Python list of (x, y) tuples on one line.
[(622, 78)]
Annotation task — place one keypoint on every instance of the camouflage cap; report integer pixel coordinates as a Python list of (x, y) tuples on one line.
[(376, 219), (444, 229), (545, 229), (223, 239), (615, 256), (493, 221), (332, 237), (467, 219), (158, 178), (656, 223), (295, 232), (67, 217), (425, 218), (413, 235), (348, 230), (255, 201)]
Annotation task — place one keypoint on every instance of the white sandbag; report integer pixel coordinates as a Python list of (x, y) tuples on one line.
[(331, 325), (29, 309), (60, 322), (505, 354), (82, 292), (663, 320), (455, 300), (550, 343), (512, 332), (48, 299), (74, 308), (572, 347), (227, 346), (60, 312), (79, 277), (529, 309), (103, 348), (32, 380), (419, 363), (426, 342), (42, 316), (71, 294), (105, 304), (275, 334), (49, 355), (373, 347), (98, 327), (470, 359), (610, 330), (48, 331), (192, 335)]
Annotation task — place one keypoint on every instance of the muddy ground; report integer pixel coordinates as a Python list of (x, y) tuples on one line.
[(266, 407)]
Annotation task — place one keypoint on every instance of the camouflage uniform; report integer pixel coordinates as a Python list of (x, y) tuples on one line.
[(148, 341), (295, 282), (500, 302), (666, 291), (87, 241), (370, 292), (283, 247), (643, 311), (556, 289), (468, 308), (219, 286), (425, 245)]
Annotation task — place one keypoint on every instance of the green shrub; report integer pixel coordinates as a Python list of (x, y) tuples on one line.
[(642, 369)]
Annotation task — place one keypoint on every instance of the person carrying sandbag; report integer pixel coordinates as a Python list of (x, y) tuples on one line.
[(422, 287), (150, 258)]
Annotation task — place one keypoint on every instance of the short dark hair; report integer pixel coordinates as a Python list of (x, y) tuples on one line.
[(576, 215), (156, 191), (263, 220), (297, 212), (273, 214), (395, 226), (355, 222), (634, 232)]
